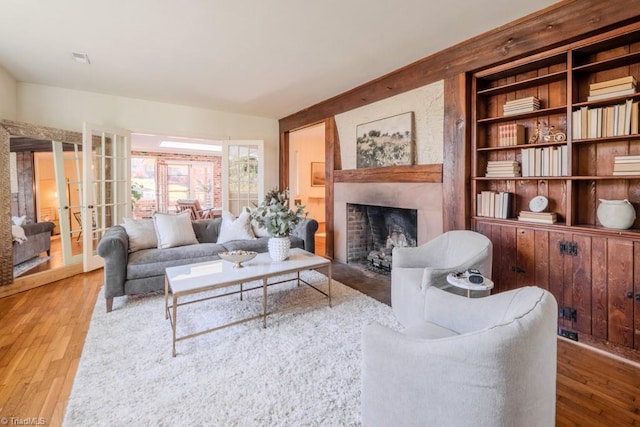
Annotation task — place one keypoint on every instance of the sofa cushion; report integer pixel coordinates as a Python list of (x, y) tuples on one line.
[(429, 330), (207, 230), (174, 230), (152, 262), (235, 228), (141, 234)]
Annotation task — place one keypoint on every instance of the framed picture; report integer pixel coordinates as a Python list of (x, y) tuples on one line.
[(317, 174), (385, 142)]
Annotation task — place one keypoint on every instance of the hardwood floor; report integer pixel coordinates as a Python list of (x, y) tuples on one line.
[(43, 332)]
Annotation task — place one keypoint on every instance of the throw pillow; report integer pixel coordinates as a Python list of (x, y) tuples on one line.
[(18, 220), (142, 234), (235, 229), (258, 230), (174, 230)]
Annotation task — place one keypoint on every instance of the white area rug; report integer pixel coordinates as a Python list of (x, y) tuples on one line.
[(23, 267), (304, 369)]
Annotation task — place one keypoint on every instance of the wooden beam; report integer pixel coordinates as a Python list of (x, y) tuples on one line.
[(332, 163), (455, 173), (558, 24), (417, 173)]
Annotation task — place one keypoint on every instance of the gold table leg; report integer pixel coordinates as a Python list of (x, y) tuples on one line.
[(175, 322), (264, 303)]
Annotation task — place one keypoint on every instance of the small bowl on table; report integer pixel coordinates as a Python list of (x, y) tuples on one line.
[(238, 257)]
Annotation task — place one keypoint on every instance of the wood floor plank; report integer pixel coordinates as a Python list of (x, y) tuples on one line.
[(44, 329)]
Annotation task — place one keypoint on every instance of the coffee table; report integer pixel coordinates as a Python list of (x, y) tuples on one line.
[(191, 279)]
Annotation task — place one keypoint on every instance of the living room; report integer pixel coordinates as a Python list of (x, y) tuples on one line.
[(437, 89)]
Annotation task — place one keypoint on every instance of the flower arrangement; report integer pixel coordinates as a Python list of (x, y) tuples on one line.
[(274, 214)]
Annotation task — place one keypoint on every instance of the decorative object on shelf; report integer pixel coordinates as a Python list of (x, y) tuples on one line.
[(238, 257), (275, 216), (538, 204), (510, 134), (317, 174), (616, 214), (385, 142), (546, 133)]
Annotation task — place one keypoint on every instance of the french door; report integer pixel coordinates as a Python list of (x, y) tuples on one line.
[(106, 173), (242, 174)]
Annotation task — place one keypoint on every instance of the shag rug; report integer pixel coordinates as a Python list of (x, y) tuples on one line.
[(23, 267), (303, 369)]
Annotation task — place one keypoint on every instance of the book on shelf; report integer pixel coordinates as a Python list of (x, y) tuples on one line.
[(623, 159), (627, 167), (611, 94), (611, 120), (510, 134), (494, 204), (614, 88), (502, 168), (613, 82), (544, 161), (618, 173), (541, 217), (522, 105)]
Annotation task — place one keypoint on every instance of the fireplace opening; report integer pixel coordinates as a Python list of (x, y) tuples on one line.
[(373, 232)]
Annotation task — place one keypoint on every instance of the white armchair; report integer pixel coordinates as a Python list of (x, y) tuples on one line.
[(473, 362), (416, 269)]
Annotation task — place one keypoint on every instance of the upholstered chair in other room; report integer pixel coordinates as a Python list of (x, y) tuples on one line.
[(471, 362), (415, 269)]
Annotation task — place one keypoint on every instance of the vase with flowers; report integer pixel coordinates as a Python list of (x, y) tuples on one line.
[(275, 215)]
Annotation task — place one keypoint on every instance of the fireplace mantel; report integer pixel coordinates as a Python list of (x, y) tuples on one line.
[(415, 173)]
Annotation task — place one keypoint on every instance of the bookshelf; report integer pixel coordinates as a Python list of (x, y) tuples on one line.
[(579, 89)]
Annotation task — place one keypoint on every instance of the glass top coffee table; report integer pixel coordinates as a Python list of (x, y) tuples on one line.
[(191, 279)]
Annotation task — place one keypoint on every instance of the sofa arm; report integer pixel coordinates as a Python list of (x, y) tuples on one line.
[(114, 248), (306, 230)]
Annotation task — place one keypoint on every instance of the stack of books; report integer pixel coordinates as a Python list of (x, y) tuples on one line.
[(542, 217), (502, 168), (494, 205), (522, 105), (626, 165), (511, 134), (611, 88), (545, 161)]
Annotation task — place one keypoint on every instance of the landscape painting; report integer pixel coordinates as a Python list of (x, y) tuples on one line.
[(385, 142)]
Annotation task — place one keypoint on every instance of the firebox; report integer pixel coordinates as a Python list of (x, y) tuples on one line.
[(373, 232)]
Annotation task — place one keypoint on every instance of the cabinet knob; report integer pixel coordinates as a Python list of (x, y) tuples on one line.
[(630, 294), (637, 297)]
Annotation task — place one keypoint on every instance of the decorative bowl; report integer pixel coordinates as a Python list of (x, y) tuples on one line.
[(238, 257)]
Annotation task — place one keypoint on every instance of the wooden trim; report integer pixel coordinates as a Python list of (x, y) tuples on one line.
[(455, 168), (558, 24), (333, 163), (21, 284), (417, 173), (283, 161)]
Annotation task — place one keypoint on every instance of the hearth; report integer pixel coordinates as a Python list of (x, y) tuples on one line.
[(373, 232)]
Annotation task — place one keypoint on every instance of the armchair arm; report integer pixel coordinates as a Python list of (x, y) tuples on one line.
[(114, 248), (412, 381), (413, 257), (306, 230)]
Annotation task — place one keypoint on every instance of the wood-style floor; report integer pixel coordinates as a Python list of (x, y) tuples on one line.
[(43, 332)]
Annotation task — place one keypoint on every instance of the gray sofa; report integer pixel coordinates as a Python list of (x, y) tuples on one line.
[(38, 236), (143, 271)]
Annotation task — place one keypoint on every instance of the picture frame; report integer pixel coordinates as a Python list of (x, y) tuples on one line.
[(317, 174), (385, 142)]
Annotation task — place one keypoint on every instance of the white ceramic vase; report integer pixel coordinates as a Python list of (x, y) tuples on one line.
[(617, 214), (279, 248)]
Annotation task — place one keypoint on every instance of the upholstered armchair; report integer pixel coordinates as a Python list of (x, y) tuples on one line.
[(415, 269), (471, 362)]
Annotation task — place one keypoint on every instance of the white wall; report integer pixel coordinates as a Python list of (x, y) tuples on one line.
[(427, 104), (8, 95), (68, 109)]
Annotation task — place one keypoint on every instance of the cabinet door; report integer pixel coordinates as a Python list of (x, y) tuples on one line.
[(636, 295), (599, 305), (619, 284), (577, 291)]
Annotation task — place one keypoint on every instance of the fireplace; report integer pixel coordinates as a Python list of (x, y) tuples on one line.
[(373, 232)]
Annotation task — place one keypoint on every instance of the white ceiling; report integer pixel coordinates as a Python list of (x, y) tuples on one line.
[(268, 58)]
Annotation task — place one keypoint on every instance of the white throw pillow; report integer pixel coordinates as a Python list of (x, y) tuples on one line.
[(235, 229), (258, 230), (174, 230), (18, 220), (142, 234)]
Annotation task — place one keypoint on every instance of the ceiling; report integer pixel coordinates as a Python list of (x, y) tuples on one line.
[(268, 58)]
